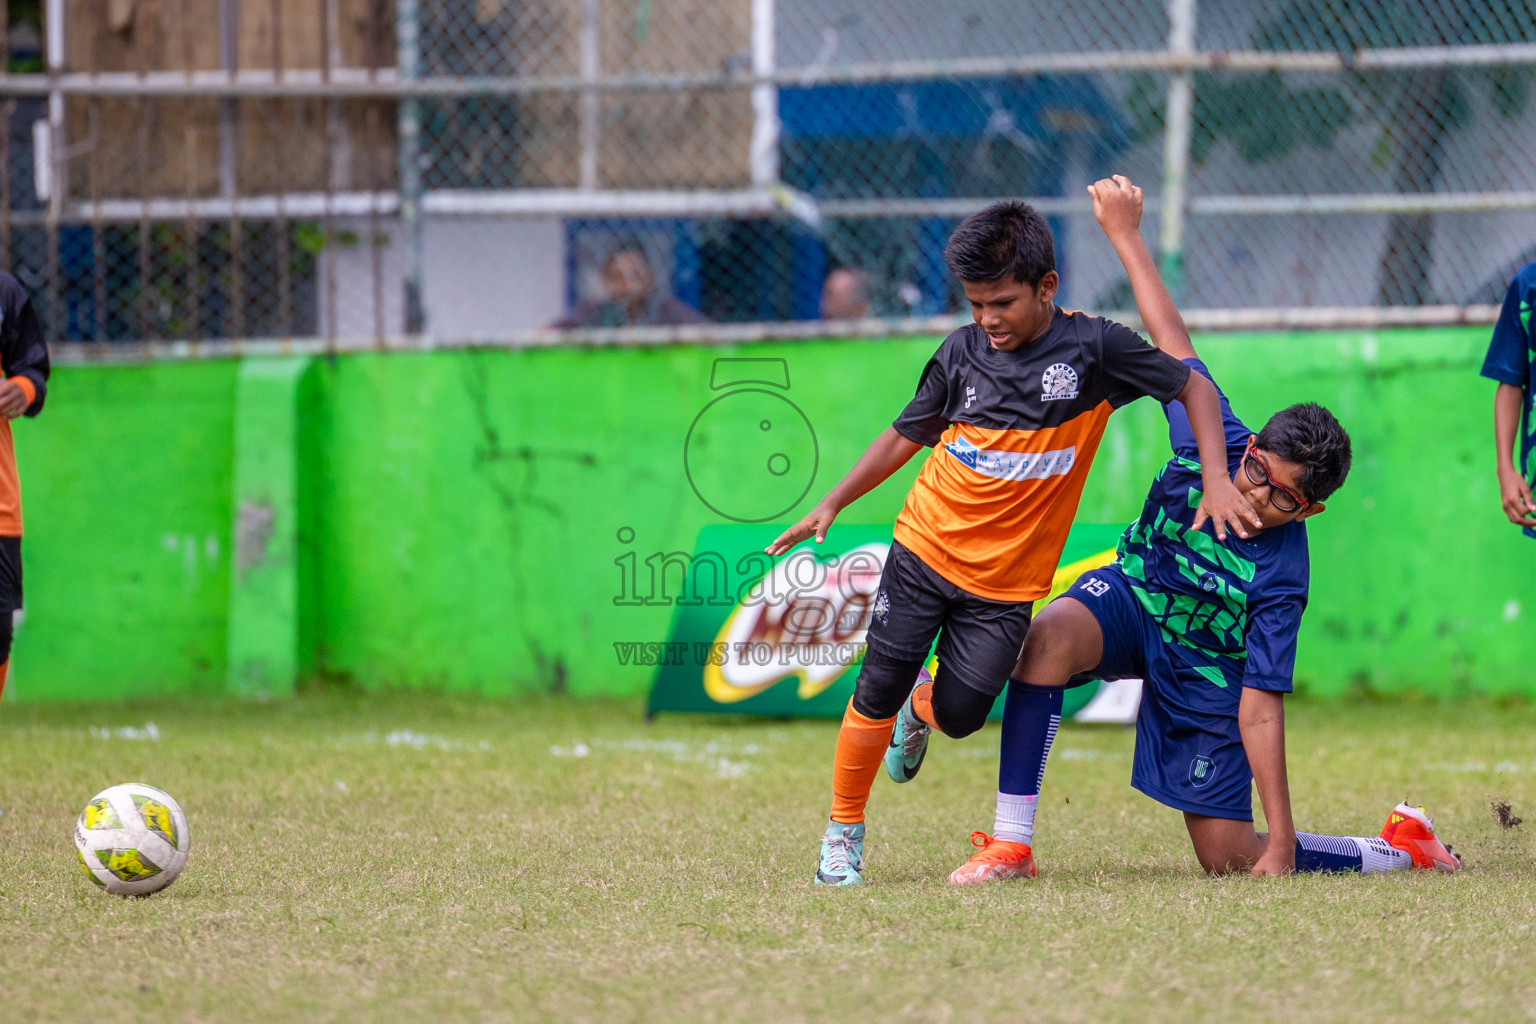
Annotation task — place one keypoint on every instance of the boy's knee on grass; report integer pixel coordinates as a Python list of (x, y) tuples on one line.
[(1223, 846)]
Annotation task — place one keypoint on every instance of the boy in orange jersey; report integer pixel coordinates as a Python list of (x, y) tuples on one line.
[(24, 363), (1013, 406)]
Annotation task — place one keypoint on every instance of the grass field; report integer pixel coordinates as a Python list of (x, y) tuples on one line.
[(408, 858)]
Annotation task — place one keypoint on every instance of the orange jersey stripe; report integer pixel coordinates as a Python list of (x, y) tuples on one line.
[(10, 485), (991, 509)]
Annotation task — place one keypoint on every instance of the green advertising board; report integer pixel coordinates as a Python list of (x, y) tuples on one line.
[(784, 637)]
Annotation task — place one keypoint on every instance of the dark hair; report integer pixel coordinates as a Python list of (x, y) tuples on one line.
[(1308, 435), (1007, 239)]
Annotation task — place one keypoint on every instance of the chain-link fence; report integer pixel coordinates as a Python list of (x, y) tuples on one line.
[(479, 169)]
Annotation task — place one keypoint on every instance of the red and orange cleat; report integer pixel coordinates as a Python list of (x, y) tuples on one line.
[(996, 860), (1410, 830)]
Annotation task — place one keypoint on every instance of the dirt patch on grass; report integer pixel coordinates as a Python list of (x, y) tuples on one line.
[(1504, 814)]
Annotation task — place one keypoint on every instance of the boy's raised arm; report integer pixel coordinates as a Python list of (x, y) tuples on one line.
[(1117, 205)]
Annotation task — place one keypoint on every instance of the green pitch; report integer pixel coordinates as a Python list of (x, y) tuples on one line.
[(408, 858)]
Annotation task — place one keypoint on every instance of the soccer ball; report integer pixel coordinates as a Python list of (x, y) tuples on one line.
[(132, 839)]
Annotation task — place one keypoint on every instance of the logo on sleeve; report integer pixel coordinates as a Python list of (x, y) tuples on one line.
[(1058, 381)]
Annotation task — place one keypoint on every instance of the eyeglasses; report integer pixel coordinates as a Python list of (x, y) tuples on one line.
[(1280, 496)]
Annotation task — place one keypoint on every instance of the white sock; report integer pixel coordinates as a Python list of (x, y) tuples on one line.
[(1376, 854), (1015, 821)]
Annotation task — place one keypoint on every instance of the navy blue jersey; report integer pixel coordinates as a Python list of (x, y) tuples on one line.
[(1228, 610), (1510, 359)]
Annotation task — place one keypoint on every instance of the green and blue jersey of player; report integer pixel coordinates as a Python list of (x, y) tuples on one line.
[(1512, 360), (1228, 611)]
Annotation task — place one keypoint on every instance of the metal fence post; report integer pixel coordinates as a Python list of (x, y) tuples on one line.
[(407, 33), (765, 97), (590, 125), (1176, 136), (53, 322)]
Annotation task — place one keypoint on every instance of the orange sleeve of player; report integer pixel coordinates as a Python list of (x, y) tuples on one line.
[(27, 387)]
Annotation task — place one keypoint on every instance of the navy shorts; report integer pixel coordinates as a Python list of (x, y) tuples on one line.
[(1189, 752)]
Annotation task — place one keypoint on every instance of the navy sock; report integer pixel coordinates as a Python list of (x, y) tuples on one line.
[(1348, 853), (1030, 719), (1326, 853)]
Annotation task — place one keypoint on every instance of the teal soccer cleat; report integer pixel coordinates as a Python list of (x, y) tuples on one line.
[(842, 855), (909, 739)]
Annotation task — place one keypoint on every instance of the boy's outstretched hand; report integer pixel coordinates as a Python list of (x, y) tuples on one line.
[(1224, 505), (1116, 205), (815, 524)]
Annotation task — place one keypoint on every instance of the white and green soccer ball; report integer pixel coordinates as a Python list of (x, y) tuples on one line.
[(132, 839)]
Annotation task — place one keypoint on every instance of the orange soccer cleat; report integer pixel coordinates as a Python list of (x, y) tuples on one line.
[(1409, 829), (996, 860)]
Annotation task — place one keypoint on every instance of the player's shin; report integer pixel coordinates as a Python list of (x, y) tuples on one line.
[(861, 744), (1031, 717), (1348, 853)]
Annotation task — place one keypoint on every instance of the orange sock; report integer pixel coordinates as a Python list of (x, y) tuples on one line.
[(861, 744), (922, 703), (5, 667)]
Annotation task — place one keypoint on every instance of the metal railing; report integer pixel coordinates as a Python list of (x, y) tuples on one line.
[(1309, 156)]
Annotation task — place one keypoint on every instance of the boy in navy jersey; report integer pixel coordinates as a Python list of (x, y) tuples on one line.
[(1510, 363), (1210, 626)]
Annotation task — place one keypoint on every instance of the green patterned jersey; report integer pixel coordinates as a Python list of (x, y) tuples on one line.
[(1230, 610)]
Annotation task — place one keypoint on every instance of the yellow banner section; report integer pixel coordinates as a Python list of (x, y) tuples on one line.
[(820, 657)]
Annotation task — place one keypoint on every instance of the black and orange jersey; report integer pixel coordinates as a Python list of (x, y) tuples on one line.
[(1013, 435), (24, 362)]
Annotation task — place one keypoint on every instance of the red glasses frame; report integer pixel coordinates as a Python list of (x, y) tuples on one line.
[(1302, 504)]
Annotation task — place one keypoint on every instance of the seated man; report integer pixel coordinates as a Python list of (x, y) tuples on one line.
[(1209, 625), (633, 299)]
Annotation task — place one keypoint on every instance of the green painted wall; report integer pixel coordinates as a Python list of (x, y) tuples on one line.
[(460, 511), (265, 593), (126, 497)]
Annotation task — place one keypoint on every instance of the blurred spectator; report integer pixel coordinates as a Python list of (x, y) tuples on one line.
[(845, 295), (633, 300)]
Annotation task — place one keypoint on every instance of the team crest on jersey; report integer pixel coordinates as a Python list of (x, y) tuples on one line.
[(1058, 381), (1209, 582), (1201, 771)]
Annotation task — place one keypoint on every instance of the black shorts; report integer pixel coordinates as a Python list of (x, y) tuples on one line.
[(979, 639), (10, 591), (10, 575)]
